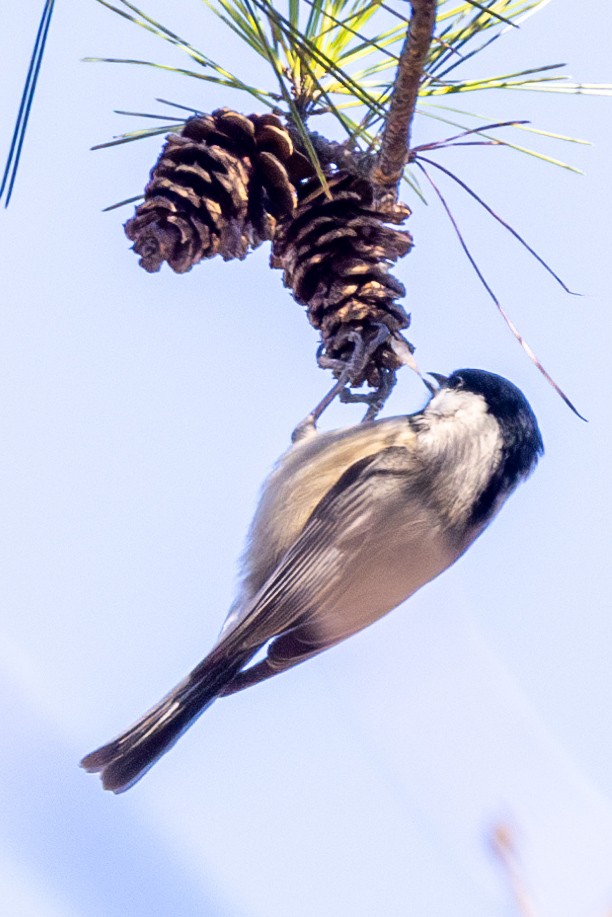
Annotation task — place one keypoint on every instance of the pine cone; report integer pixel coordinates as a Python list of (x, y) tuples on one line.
[(336, 256), (218, 187)]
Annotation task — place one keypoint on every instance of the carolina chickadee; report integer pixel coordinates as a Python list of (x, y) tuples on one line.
[(350, 523)]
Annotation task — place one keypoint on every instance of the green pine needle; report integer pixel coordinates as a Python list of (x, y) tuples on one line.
[(331, 56)]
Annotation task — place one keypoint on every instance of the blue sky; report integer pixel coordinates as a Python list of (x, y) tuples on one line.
[(140, 415)]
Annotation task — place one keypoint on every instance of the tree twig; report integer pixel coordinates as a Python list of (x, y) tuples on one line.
[(395, 142), (503, 844)]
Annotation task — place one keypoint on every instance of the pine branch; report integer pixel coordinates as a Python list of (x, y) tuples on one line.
[(395, 142)]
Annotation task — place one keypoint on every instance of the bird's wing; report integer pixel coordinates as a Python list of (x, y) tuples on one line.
[(301, 479), (360, 500)]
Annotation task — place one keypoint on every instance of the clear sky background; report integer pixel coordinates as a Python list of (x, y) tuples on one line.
[(139, 416)]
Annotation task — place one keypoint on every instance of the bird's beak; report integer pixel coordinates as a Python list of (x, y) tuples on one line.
[(440, 379)]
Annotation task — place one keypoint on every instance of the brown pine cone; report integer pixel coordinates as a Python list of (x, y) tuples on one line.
[(336, 255), (218, 187)]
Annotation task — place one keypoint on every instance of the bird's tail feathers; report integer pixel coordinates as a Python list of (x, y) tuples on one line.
[(122, 762)]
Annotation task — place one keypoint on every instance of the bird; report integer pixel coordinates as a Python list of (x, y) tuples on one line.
[(350, 523)]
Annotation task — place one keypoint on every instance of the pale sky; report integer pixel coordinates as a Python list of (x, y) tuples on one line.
[(139, 416)]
